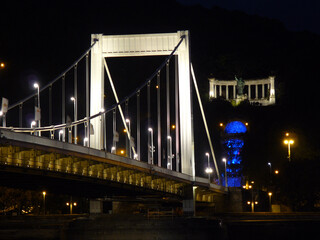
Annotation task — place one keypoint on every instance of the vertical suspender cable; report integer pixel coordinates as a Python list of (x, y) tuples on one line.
[(63, 106), (50, 105), (138, 125), (149, 122), (205, 122), (159, 119), (20, 115), (169, 160), (87, 134), (114, 131), (75, 102), (177, 138)]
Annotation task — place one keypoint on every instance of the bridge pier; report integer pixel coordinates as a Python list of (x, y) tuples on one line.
[(96, 206), (189, 201)]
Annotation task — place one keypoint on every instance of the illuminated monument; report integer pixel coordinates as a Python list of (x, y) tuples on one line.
[(256, 91), (233, 143)]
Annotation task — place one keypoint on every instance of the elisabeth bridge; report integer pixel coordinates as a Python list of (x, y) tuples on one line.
[(158, 157)]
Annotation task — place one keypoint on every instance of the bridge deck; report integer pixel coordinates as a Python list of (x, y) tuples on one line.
[(26, 151)]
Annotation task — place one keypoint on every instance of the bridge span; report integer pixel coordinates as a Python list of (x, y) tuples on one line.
[(35, 155)]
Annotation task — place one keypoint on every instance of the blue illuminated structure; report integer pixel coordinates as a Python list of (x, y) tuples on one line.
[(233, 143), (235, 127)]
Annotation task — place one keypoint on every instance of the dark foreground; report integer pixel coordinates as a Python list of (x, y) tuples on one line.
[(223, 227)]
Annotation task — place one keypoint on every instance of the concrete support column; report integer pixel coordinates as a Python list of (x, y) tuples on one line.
[(189, 201), (220, 90), (96, 206), (234, 91), (263, 94), (256, 88), (249, 91)]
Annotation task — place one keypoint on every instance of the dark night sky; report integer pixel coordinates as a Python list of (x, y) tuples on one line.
[(297, 15), (39, 39)]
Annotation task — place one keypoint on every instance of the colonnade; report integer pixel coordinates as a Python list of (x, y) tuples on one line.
[(256, 90)]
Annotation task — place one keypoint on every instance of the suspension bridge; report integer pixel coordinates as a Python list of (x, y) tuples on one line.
[(142, 142)]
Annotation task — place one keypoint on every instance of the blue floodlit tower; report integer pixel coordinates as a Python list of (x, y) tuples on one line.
[(233, 143)]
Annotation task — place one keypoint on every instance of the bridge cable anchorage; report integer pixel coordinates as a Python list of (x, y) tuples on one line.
[(54, 80), (204, 121)]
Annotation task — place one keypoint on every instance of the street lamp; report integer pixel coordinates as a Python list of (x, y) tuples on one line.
[(44, 193), (85, 140), (74, 100), (129, 129), (60, 134), (33, 124), (270, 195), (208, 169), (2, 65), (170, 153), (36, 85), (225, 171), (151, 147), (289, 142)]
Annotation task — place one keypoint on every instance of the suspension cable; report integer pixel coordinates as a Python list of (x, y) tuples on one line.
[(54, 80)]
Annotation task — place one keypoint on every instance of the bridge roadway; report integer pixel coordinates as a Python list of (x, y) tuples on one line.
[(35, 154)]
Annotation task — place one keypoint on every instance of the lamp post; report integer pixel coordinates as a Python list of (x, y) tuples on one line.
[(60, 134), (151, 147), (85, 140), (36, 85), (33, 124), (75, 113), (129, 133), (169, 153), (270, 195), (44, 193), (289, 142), (208, 169), (71, 204), (225, 171)]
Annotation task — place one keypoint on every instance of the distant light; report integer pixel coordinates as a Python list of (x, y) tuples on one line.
[(122, 152), (102, 110), (36, 85), (256, 202), (287, 134), (173, 126), (276, 171), (207, 154), (270, 194), (169, 137), (33, 123), (221, 124), (74, 204), (150, 129), (209, 170), (235, 127), (44, 193), (72, 99), (127, 120), (246, 124), (124, 130), (224, 160), (67, 204), (2, 65), (248, 202)]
